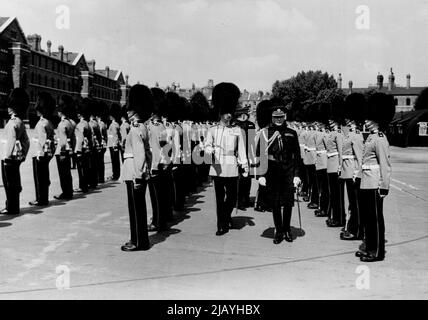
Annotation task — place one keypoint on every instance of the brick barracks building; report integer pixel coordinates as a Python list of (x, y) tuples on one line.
[(23, 63)]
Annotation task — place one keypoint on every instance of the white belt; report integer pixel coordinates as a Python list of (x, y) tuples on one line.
[(128, 155), (302, 145), (35, 140), (332, 154), (370, 166), (321, 151), (348, 156), (311, 149)]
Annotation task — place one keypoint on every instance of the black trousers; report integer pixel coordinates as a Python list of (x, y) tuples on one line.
[(12, 184), (101, 166), (190, 178), (93, 169), (64, 172), (244, 191), (261, 198), (115, 162), (303, 177), (82, 161), (373, 221), (282, 220), (354, 224), (322, 184), (312, 183), (335, 207), (41, 178), (138, 214), (225, 193), (162, 209), (73, 161), (179, 187)]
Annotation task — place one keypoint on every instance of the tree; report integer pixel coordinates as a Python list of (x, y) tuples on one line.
[(422, 100)]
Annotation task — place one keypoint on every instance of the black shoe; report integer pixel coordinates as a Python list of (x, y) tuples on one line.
[(242, 207), (321, 214), (360, 253), (7, 212), (63, 197), (131, 247), (371, 258), (278, 238), (38, 203), (259, 209), (288, 237), (347, 236), (306, 199), (312, 206), (81, 190), (221, 232), (151, 227), (317, 211), (328, 221), (303, 194), (334, 224)]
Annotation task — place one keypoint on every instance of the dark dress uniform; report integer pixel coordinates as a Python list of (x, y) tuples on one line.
[(17, 146), (65, 132), (376, 175), (136, 171), (248, 129), (283, 165), (114, 145), (83, 134), (94, 162), (44, 151), (103, 149)]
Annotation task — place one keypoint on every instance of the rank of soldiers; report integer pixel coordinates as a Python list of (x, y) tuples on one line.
[(171, 146)]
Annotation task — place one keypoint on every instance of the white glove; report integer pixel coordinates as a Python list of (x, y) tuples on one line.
[(296, 182), (262, 181), (245, 174)]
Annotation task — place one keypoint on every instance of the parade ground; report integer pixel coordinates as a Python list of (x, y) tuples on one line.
[(71, 250)]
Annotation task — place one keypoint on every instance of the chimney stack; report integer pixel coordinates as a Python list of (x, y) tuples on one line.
[(379, 81), (127, 80), (391, 83), (91, 65), (350, 84), (339, 81), (49, 46), (108, 72), (210, 83), (408, 81), (61, 52), (34, 41)]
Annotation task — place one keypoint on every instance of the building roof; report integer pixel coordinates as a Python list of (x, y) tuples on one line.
[(405, 117), (397, 91), (7, 21), (113, 74)]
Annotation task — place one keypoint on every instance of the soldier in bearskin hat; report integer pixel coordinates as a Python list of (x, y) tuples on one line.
[(102, 119), (16, 149), (64, 150), (137, 165), (114, 140), (44, 140), (263, 118), (124, 129), (226, 144), (322, 110), (376, 175), (83, 147), (97, 147), (334, 146), (350, 175), (282, 175), (242, 120)]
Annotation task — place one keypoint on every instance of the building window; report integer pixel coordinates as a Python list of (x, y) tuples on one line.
[(407, 101), (32, 77), (58, 84), (46, 81), (39, 79), (52, 83), (63, 85)]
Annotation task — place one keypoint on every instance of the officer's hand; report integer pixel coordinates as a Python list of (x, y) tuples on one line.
[(383, 192), (245, 174), (296, 182), (262, 181)]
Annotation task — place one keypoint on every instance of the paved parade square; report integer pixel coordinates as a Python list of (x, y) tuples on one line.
[(76, 244)]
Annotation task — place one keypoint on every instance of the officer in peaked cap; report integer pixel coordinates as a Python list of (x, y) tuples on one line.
[(242, 120), (64, 149), (282, 176), (137, 165), (350, 175), (17, 145), (44, 140), (334, 145), (84, 144), (322, 110), (114, 139), (161, 204), (376, 175), (263, 118), (225, 142)]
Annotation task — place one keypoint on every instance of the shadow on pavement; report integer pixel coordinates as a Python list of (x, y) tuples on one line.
[(162, 236), (240, 222), (269, 233), (295, 232), (5, 224)]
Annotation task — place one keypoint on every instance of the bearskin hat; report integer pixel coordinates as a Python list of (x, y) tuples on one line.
[(264, 113), (115, 111), (140, 100), (174, 106), (225, 97), (380, 108), (85, 107), (102, 110), (45, 104), (123, 113), (355, 106), (337, 113), (323, 112), (66, 105), (19, 101), (159, 102), (200, 107)]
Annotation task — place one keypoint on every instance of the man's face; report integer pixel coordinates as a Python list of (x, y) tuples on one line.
[(278, 121), (243, 117), (370, 125), (226, 117), (131, 115)]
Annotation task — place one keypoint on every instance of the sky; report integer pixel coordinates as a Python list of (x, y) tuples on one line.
[(252, 43)]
